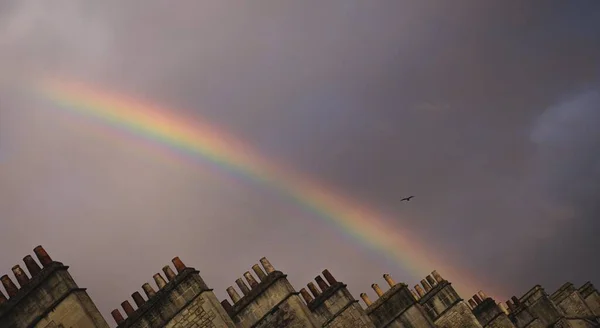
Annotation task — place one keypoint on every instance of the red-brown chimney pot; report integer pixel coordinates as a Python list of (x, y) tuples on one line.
[(9, 285), (179, 266), (31, 265), (116, 314), (43, 256)]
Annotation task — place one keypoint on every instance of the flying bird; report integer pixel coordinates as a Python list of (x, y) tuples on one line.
[(407, 198)]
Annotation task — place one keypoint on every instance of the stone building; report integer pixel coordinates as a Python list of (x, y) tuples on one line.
[(49, 297)]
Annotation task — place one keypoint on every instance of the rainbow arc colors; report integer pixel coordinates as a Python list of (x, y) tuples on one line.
[(203, 140)]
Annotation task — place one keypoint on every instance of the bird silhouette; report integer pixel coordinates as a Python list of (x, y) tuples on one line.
[(407, 198)]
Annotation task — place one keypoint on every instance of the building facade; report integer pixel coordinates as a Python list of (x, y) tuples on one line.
[(47, 296)]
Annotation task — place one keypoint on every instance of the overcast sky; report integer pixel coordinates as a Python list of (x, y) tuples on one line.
[(487, 113)]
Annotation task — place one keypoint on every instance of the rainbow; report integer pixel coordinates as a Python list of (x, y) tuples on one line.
[(203, 140)]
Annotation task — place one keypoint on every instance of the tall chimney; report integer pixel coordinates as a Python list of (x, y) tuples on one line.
[(245, 290), (3, 298), (227, 306), (259, 272), (477, 299), (322, 284), (116, 314), (233, 294), (31, 265), (472, 303), (431, 281), (389, 280), (43, 256), (267, 265), (366, 299), (437, 276), (250, 279), (313, 289), (128, 308), (306, 295), (420, 291), (138, 299), (377, 289), (9, 285), (169, 273), (329, 277), (179, 266), (426, 285), (21, 276), (148, 290), (482, 295), (159, 280)]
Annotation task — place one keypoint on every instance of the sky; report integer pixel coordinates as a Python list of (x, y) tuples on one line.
[(486, 112)]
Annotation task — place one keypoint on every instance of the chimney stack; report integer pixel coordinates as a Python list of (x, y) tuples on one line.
[(377, 289), (437, 276), (116, 314), (233, 294), (366, 299), (306, 295), (250, 279), (426, 285), (148, 290), (313, 289), (226, 305), (389, 279), (3, 298), (31, 265), (420, 291), (322, 284), (179, 266), (21, 276), (245, 290), (160, 281), (128, 308), (138, 299), (472, 303), (43, 256), (477, 299), (431, 281), (9, 285), (267, 265), (169, 273), (259, 272), (329, 277)]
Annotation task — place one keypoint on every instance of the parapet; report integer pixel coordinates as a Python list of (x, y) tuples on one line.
[(162, 305)]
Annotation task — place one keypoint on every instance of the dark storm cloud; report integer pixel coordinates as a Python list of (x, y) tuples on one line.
[(485, 111)]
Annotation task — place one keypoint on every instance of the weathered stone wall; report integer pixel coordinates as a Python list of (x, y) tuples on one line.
[(540, 306), (591, 297), (202, 312), (77, 310), (489, 314), (291, 313), (336, 307), (458, 315), (570, 302), (398, 308), (500, 321)]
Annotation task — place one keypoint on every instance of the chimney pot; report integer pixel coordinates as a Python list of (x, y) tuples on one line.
[(472, 303), (169, 273), (377, 289), (243, 287), (31, 265), (426, 285), (227, 306), (128, 308), (437, 276), (9, 285), (138, 299), (322, 284), (389, 280), (160, 281), (510, 305), (3, 298), (329, 277), (415, 294), (250, 279), (515, 300), (21, 276), (43, 256), (306, 295), (116, 314), (267, 265), (148, 290), (259, 272), (504, 308), (431, 281), (313, 289), (482, 295), (420, 291), (477, 299), (366, 299), (179, 266), (235, 297)]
